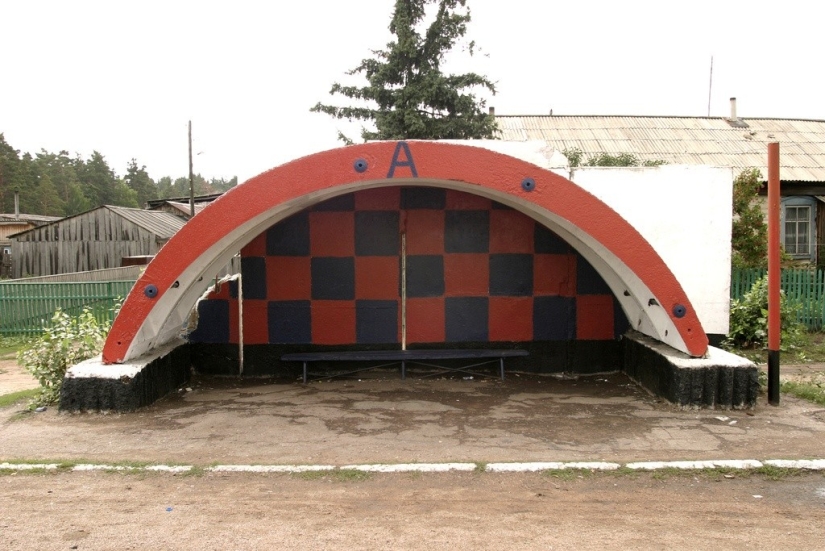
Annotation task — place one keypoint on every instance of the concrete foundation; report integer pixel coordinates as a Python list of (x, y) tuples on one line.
[(719, 380), (93, 386)]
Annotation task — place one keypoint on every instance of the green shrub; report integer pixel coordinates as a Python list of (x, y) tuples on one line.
[(69, 340), (749, 319)]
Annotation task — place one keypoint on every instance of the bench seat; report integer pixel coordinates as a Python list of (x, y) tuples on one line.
[(408, 356)]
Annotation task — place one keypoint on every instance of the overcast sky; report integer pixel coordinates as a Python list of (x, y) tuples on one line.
[(123, 78)]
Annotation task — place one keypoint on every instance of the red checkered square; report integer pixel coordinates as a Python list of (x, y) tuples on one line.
[(221, 292), (425, 320), (594, 317), (377, 277), (511, 232), (332, 233), (386, 198), (333, 321), (256, 247), (458, 200), (288, 277), (425, 231), (511, 319), (466, 275), (255, 326), (554, 274)]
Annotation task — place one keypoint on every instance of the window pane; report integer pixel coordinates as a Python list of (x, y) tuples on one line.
[(790, 214), (790, 237)]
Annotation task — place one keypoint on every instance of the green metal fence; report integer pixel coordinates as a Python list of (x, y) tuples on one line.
[(26, 308), (805, 285)]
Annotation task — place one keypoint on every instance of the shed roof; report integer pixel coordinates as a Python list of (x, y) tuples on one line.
[(159, 223), (163, 224), (37, 219), (181, 207), (715, 141)]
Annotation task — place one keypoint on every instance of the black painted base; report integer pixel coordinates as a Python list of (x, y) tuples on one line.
[(544, 357), (160, 376), (722, 380), (690, 382)]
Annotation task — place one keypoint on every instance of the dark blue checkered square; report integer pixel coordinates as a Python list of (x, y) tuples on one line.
[(467, 231), (511, 275), (289, 237), (547, 242), (377, 233), (253, 269), (554, 318), (340, 203), (423, 198), (333, 278), (213, 322), (620, 323), (425, 276), (376, 321), (466, 319), (588, 280), (290, 322)]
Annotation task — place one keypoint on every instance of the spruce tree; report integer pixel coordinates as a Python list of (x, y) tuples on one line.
[(407, 95)]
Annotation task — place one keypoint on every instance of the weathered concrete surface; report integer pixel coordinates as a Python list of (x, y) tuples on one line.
[(93, 386), (720, 380), (527, 417)]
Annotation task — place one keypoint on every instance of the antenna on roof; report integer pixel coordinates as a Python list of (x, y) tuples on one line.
[(710, 84)]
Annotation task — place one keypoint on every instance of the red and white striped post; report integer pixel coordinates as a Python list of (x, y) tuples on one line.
[(774, 274)]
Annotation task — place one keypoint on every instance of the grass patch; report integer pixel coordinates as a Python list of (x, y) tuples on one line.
[(196, 471), (813, 391), (481, 467), (777, 473), (15, 397), (335, 475), (10, 346), (568, 474), (810, 347)]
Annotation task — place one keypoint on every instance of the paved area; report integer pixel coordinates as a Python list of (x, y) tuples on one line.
[(381, 419)]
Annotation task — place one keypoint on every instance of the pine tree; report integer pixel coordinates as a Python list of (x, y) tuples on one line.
[(407, 95)]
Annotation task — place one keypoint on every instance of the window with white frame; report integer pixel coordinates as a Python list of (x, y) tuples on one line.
[(798, 230)]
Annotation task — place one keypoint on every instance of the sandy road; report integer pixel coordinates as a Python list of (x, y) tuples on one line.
[(103, 511)]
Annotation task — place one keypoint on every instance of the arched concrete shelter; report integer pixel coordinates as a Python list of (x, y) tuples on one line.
[(647, 291)]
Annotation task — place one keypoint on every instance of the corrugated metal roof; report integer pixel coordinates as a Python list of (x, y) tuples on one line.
[(162, 224), (33, 218), (682, 140), (184, 207)]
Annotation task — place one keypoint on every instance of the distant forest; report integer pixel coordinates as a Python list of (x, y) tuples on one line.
[(58, 184)]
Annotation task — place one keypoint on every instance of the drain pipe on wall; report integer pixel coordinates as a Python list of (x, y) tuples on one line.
[(774, 274)]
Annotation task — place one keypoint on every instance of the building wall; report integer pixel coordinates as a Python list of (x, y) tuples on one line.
[(684, 212), (476, 272), (7, 229), (94, 240)]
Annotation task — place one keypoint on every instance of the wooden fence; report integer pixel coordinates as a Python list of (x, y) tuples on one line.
[(804, 285), (26, 308)]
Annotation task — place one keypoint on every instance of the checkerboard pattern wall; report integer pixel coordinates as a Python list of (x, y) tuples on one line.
[(476, 271)]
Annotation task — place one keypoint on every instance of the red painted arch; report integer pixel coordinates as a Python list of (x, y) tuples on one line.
[(373, 164)]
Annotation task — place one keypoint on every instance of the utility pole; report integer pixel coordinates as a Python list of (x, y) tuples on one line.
[(191, 176), (774, 274)]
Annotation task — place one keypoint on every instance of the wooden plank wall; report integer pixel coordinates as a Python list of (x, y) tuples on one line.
[(92, 241)]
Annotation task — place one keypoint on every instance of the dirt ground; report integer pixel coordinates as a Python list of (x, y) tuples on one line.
[(113, 511), (383, 419), (14, 378)]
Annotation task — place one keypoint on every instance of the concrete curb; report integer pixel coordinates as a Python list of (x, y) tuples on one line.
[(737, 464)]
